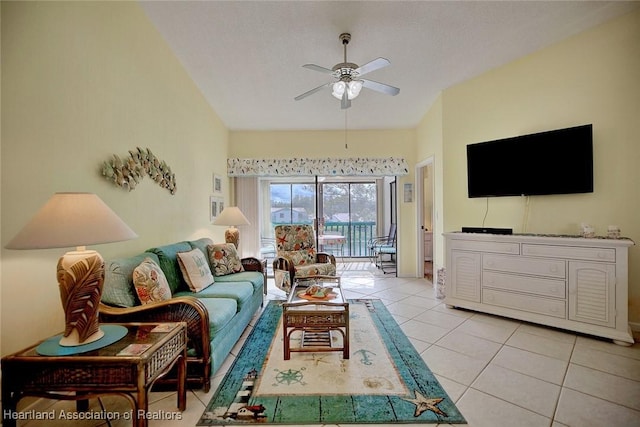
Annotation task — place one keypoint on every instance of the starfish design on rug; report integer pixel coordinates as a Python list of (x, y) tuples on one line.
[(423, 404), (316, 360)]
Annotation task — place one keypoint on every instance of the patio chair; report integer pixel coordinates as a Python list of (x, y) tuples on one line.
[(382, 251), (297, 255)]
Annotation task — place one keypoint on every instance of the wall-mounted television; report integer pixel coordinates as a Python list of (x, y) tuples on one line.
[(553, 162)]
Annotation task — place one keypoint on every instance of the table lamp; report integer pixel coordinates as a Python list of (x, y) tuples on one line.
[(232, 216), (76, 219)]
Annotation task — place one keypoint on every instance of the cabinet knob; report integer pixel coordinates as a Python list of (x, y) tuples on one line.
[(553, 310), (489, 297), (554, 268)]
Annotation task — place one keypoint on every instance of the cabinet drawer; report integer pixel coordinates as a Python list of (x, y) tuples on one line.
[(533, 304), (570, 252), (533, 285), (522, 265), (482, 246)]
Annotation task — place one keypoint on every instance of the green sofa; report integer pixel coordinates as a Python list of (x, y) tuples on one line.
[(216, 316)]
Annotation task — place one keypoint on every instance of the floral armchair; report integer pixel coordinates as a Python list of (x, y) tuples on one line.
[(296, 253)]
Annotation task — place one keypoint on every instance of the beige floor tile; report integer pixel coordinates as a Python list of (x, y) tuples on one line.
[(454, 311), (421, 301), (547, 332), (536, 365), (419, 345), (455, 366), (541, 345), (454, 390), (423, 331), (608, 362), (578, 409), (405, 309), (522, 390), (438, 318), (477, 348), (487, 330), (605, 386), (607, 346), (483, 410)]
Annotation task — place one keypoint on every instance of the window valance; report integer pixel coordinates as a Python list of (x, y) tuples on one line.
[(356, 166)]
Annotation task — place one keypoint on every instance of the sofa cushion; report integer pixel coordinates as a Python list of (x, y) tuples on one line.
[(201, 244), (256, 278), (221, 312), (150, 283), (168, 262), (195, 269), (224, 259), (118, 287), (241, 292)]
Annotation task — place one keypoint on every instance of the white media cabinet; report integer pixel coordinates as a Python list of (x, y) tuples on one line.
[(574, 283)]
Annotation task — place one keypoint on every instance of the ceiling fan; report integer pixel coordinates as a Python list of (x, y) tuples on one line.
[(348, 75)]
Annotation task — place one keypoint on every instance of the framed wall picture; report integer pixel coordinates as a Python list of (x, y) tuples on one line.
[(216, 206), (408, 192), (213, 208), (217, 183)]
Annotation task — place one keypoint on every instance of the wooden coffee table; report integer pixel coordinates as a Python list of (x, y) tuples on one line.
[(129, 367), (316, 318)]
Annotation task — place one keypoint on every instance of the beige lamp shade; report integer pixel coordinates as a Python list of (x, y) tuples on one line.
[(72, 219), (232, 216), (76, 219)]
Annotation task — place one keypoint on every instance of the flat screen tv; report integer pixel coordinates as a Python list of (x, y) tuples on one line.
[(553, 162)]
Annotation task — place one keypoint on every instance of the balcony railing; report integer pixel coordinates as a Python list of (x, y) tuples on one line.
[(357, 235)]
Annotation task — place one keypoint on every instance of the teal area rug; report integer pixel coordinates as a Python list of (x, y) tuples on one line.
[(385, 381)]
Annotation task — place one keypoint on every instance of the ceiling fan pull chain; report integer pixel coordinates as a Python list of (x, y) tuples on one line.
[(346, 145)]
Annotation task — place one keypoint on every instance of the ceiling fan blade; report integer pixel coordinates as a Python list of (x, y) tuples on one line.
[(318, 68), (345, 102), (312, 91), (372, 66), (380, 87)]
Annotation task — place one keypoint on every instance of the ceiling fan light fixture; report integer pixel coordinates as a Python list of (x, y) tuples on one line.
[(353, 88), (338, 89)]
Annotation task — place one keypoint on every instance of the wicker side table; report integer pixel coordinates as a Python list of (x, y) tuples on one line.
[(128, 367)]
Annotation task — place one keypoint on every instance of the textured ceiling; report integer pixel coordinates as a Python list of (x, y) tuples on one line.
[(246, 57)]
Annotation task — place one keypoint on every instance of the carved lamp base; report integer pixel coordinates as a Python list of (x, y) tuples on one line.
[(81, 276), (232, 235)]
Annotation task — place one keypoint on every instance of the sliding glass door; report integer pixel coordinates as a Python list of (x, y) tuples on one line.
[(349, 209), (340, 208)]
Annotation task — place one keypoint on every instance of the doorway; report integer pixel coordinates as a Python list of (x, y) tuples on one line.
[(425, 218)]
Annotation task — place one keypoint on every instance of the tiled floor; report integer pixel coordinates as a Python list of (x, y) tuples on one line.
[(500, 372)]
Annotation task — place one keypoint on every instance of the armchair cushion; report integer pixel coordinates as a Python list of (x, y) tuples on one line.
[(315, 270), (224, 259), (301, 257), (195, 269), (150, 282)]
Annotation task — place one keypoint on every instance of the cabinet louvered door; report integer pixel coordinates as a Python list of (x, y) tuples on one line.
[(465, 275), (592, 293)]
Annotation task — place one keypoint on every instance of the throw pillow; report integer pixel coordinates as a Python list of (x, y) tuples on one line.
[(150, 282), (195, 269), (224, 259)]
